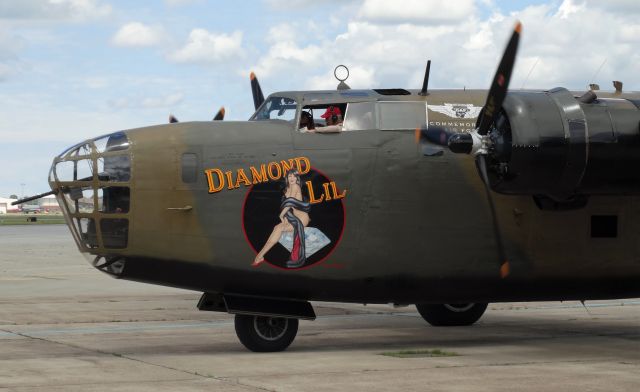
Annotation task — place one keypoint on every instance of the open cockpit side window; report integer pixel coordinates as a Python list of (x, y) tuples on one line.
[(316, 117), (354, 116)]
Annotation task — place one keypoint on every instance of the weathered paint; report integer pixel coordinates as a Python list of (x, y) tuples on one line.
[(417, 228)]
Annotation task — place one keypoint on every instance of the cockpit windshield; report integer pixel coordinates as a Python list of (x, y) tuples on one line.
[(276, 108)]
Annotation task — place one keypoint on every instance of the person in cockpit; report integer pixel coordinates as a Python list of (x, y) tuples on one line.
[(333, 117), (306, 122)]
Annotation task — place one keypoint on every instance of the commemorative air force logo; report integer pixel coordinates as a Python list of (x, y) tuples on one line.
[(457, 110)]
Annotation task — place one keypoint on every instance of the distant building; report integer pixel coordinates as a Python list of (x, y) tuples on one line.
[(49, 204), (5, 205), (46, 204)]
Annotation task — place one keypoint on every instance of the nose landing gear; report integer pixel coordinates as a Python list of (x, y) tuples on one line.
[(265, 333), (449, 315)]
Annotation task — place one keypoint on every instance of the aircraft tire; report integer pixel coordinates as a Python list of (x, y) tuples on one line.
[(265, 334), (450, 315)]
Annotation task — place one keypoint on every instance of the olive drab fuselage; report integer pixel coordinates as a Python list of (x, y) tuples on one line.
[(387, 220)]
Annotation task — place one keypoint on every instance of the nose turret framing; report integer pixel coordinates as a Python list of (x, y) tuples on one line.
[(92, 183)]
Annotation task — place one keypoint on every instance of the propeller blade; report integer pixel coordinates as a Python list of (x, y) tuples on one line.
[(220, 115), (172, 119), (502, 257), (258, 97), (500, 84)]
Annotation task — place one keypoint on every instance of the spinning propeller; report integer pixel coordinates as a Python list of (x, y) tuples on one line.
[(481, 141)]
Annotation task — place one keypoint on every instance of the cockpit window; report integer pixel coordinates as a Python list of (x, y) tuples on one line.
[(115, 168), (322, 118), (114, 142), (276, 108), (360, 116), (92, 179), (402, 115)]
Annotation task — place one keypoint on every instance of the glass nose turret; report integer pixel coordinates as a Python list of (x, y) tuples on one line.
[(92, 183)]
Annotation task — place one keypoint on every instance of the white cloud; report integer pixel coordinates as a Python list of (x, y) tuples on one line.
[(359, 77), (303, 4), (283, 56), (283, 32), (96, 82), (77, 10), (181, 3), (483, 37), (630, 33), (120, 103), (205, 47), (416, 11), (568, 40), (164, 101), (615, 6), (136, 34), (15, 15), (10, 46), (5, 71), (569, 7)]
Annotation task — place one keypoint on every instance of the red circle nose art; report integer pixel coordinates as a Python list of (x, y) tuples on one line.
[(295, 222)]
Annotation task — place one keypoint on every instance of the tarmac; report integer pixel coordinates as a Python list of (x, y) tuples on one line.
[(65, 326)]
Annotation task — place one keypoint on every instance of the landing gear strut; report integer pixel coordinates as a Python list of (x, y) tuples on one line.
[(265, 333), (448, 315)]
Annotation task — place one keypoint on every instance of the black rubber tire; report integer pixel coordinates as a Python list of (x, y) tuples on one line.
[(265, 334), (451, 315)]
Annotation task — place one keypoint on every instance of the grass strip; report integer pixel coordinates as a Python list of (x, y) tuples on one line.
[(7, 220)]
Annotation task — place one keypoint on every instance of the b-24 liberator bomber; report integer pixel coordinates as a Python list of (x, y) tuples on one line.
[(446, 199)]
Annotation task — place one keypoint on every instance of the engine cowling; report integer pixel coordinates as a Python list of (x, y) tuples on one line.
[(553, 145)]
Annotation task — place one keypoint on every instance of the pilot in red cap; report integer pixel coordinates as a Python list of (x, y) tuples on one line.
[(332, 111)]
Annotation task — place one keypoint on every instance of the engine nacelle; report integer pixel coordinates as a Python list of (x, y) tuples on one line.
[(552, 144)]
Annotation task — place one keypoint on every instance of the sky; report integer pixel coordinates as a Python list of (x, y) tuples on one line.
[(75, 69)]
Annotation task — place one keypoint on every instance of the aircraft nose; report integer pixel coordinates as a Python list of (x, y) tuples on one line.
[(93, 184)]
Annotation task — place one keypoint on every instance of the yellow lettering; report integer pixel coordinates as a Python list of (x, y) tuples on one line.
[(326, 191), (230, 180), (259, 177), (212, 187), (335, 191), (217, 179), (286, 166), (307, 165), (312, 197), (274, 165), (242, 178)]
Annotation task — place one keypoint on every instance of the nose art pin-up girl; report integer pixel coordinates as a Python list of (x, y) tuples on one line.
[(294, 217)]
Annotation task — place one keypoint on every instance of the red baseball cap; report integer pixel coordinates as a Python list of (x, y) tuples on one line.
[(332, 111)]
